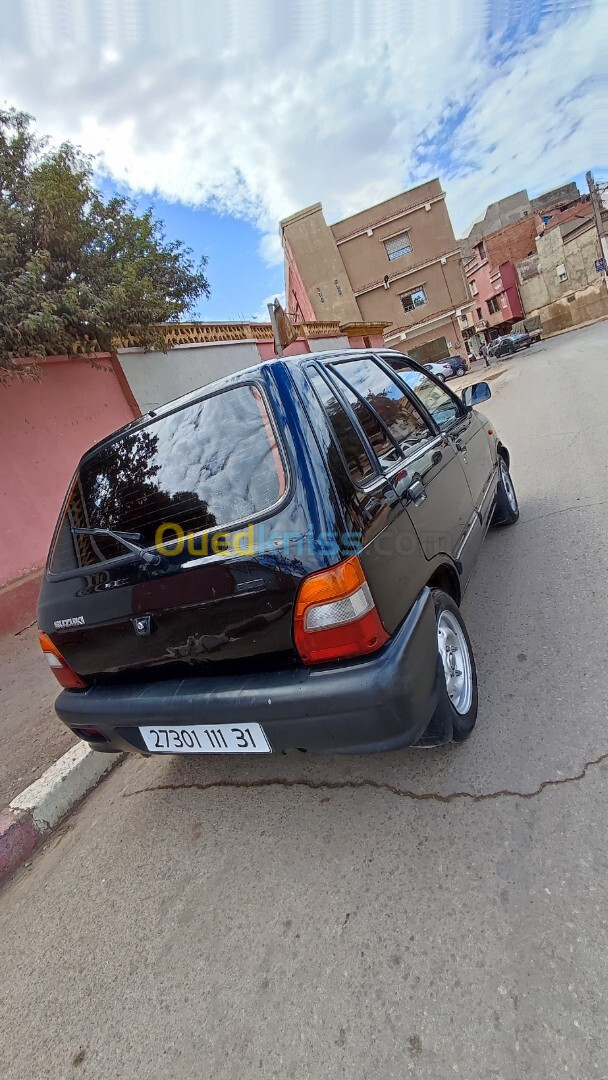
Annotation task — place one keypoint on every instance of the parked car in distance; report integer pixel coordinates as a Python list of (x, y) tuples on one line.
[(510, 343), (521, 340), (276, 561), (458, 365), (442, 369), (502, 346)]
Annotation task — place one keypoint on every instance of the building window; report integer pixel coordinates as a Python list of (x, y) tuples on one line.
[(479, 314), (481, 251), (561, 272), (367, 344), (473, 288), (414, 299), (503, 301), (493, 305), (398, 245)]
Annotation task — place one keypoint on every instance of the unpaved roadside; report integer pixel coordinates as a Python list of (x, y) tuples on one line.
[(32, 737)]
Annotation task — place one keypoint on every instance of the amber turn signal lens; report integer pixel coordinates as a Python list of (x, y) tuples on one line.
[(59, 666)]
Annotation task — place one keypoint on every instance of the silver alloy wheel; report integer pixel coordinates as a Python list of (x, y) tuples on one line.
[(507, 484), (456, 660)]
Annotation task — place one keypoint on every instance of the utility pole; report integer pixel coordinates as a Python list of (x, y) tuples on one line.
[(600, 211)]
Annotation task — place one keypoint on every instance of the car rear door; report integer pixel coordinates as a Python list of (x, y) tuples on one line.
[(425, 471), (463, 442)]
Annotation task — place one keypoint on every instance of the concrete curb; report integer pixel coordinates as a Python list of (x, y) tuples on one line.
[(32, 814)]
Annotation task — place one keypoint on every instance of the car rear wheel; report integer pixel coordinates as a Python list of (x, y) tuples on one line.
[(460, 371), (507, 507), (457, 664)]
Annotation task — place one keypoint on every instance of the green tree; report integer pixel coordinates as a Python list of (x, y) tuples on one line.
[(76, 268)]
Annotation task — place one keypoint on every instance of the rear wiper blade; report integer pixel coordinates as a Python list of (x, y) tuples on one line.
[(125, 538)]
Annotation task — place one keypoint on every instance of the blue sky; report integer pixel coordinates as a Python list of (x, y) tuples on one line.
[(228, 115), (239, 277)]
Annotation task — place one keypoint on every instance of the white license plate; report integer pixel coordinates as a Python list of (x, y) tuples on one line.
[(203, 739)]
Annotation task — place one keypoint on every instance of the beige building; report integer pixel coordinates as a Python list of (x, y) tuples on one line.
[(397, 262), (562, 283)]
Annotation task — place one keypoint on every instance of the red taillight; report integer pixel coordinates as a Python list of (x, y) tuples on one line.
[(60, 667), (335, 616)]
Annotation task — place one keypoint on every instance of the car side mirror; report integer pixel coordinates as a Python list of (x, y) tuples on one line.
[(474, 395)]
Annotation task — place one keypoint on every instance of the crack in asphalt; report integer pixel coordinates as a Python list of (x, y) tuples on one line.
[(376, 785), (565, 510)]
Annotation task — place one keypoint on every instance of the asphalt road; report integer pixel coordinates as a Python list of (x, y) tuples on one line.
[(425, 913)]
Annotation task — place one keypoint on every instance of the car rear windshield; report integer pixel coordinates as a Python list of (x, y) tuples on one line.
[(210, 465)]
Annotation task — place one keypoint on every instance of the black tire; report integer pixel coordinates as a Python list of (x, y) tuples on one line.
[(507, 507), (461, 721), (441, 378), (460, 371)]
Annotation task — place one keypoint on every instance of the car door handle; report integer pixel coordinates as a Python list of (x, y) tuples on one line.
[(416, 492)]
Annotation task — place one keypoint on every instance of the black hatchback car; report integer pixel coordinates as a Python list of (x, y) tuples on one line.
[(276, 561), (458, 364)]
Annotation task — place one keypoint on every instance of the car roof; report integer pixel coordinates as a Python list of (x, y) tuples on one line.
[(237, 377)]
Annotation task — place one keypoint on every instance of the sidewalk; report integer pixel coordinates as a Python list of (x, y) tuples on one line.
[(480, 373), (31, 735)]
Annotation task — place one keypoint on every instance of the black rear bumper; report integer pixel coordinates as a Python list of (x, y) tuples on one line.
[(382, 702)]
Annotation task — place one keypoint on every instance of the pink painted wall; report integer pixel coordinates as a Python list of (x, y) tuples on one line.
[(509, 281), (376, 341), (45, 427), (266, 349), (296, 297), (481, 274)]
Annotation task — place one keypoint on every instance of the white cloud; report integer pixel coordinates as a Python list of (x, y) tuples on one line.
[(261, 314), (262, 109)]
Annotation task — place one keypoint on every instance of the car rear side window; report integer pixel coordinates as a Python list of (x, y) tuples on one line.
[(206, 466), (387, 399), (440, 405), (357, 460)]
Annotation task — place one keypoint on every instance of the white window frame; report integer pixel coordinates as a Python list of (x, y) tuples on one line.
[(418, 289), (473, 288), (397, 252)]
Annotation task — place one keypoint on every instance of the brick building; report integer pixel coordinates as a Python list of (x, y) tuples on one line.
[(397, 263), (512, 209), (514, 242)]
